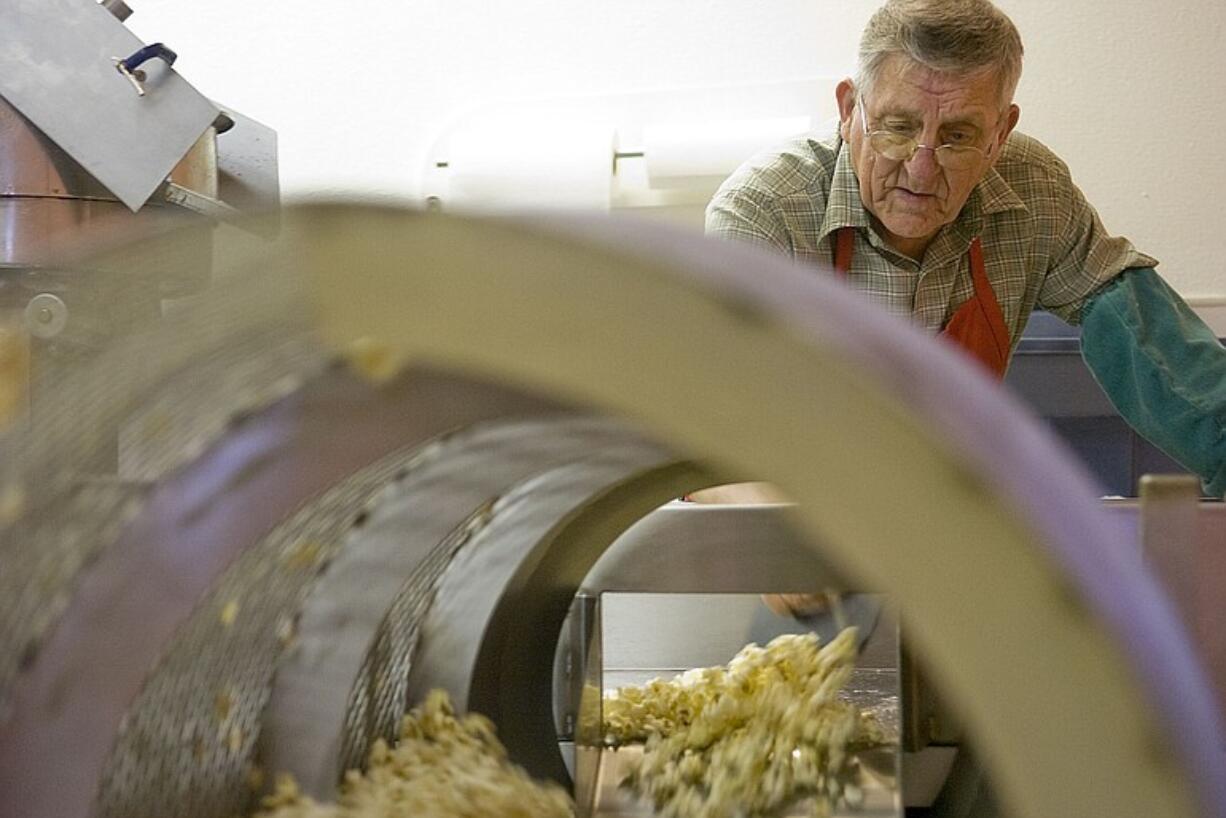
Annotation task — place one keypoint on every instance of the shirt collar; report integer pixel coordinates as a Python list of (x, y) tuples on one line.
[(992, 195), (845, 208)]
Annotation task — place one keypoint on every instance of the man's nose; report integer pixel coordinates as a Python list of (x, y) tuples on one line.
[(922, 167)]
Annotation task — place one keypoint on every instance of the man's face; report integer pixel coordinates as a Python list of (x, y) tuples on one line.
[(913, 199)]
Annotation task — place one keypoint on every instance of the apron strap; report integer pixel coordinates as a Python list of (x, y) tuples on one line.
[(978, 326), (987, 297), (844, 245)]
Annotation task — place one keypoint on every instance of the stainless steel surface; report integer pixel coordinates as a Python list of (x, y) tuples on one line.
[(197, 170), (468, 590), (714, 549), (46, 316), (247, 165), (684, 556), (31, 164), (679, 590), (468, 635), (645, 636), (49, 204), (198, 521), (40, 232), (1169, 509), (664, 632), (571, 667), (344, 684), (56, 68), (1183, 542), (202, 205), (48, 538), (119, 8), (189, 736), (587, 746)]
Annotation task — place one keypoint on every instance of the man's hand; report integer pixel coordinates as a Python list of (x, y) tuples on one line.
[(797, 605), (737, 493), (793, 605)]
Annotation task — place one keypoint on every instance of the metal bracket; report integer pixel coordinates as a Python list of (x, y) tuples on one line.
[(1169, 543)]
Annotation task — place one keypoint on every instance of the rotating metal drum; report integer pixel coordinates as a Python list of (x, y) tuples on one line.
[(289, 550)]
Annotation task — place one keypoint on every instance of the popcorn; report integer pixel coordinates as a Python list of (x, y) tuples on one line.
[(749, 739), (441, 767), (743, 741)]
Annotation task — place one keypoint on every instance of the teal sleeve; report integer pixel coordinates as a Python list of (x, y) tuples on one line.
[(1162, 368)]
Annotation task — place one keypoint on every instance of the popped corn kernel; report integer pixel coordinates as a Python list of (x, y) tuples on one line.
[(751, 738), (441, 766)]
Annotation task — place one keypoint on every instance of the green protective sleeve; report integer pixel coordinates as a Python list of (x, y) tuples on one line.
[(1162, 368)]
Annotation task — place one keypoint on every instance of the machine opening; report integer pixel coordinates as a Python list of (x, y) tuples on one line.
[(636, 638), (689, 587)]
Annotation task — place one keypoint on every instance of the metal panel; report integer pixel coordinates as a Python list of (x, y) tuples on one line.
[(57, 68), (656, 635), (1169, 513), (247, 165), (1184, 543), (707, 553), (344, 685)]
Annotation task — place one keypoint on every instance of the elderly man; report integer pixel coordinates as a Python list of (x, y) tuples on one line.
[(929, 201)]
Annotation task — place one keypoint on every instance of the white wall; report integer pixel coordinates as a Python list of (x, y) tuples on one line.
[(1128, 91)]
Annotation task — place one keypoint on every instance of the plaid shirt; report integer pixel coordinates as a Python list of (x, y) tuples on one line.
[(1044, 246)]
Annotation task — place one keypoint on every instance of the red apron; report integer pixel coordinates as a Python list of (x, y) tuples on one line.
[(978, 326)]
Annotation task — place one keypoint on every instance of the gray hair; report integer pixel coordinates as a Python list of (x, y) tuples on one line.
[(955, 36)]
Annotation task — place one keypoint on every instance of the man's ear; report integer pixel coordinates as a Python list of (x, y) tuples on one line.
[(1010, 123), (845, 95), (1015, 113)]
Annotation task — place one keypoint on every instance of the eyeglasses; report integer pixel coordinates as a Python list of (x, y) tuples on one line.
[(899, 147)]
